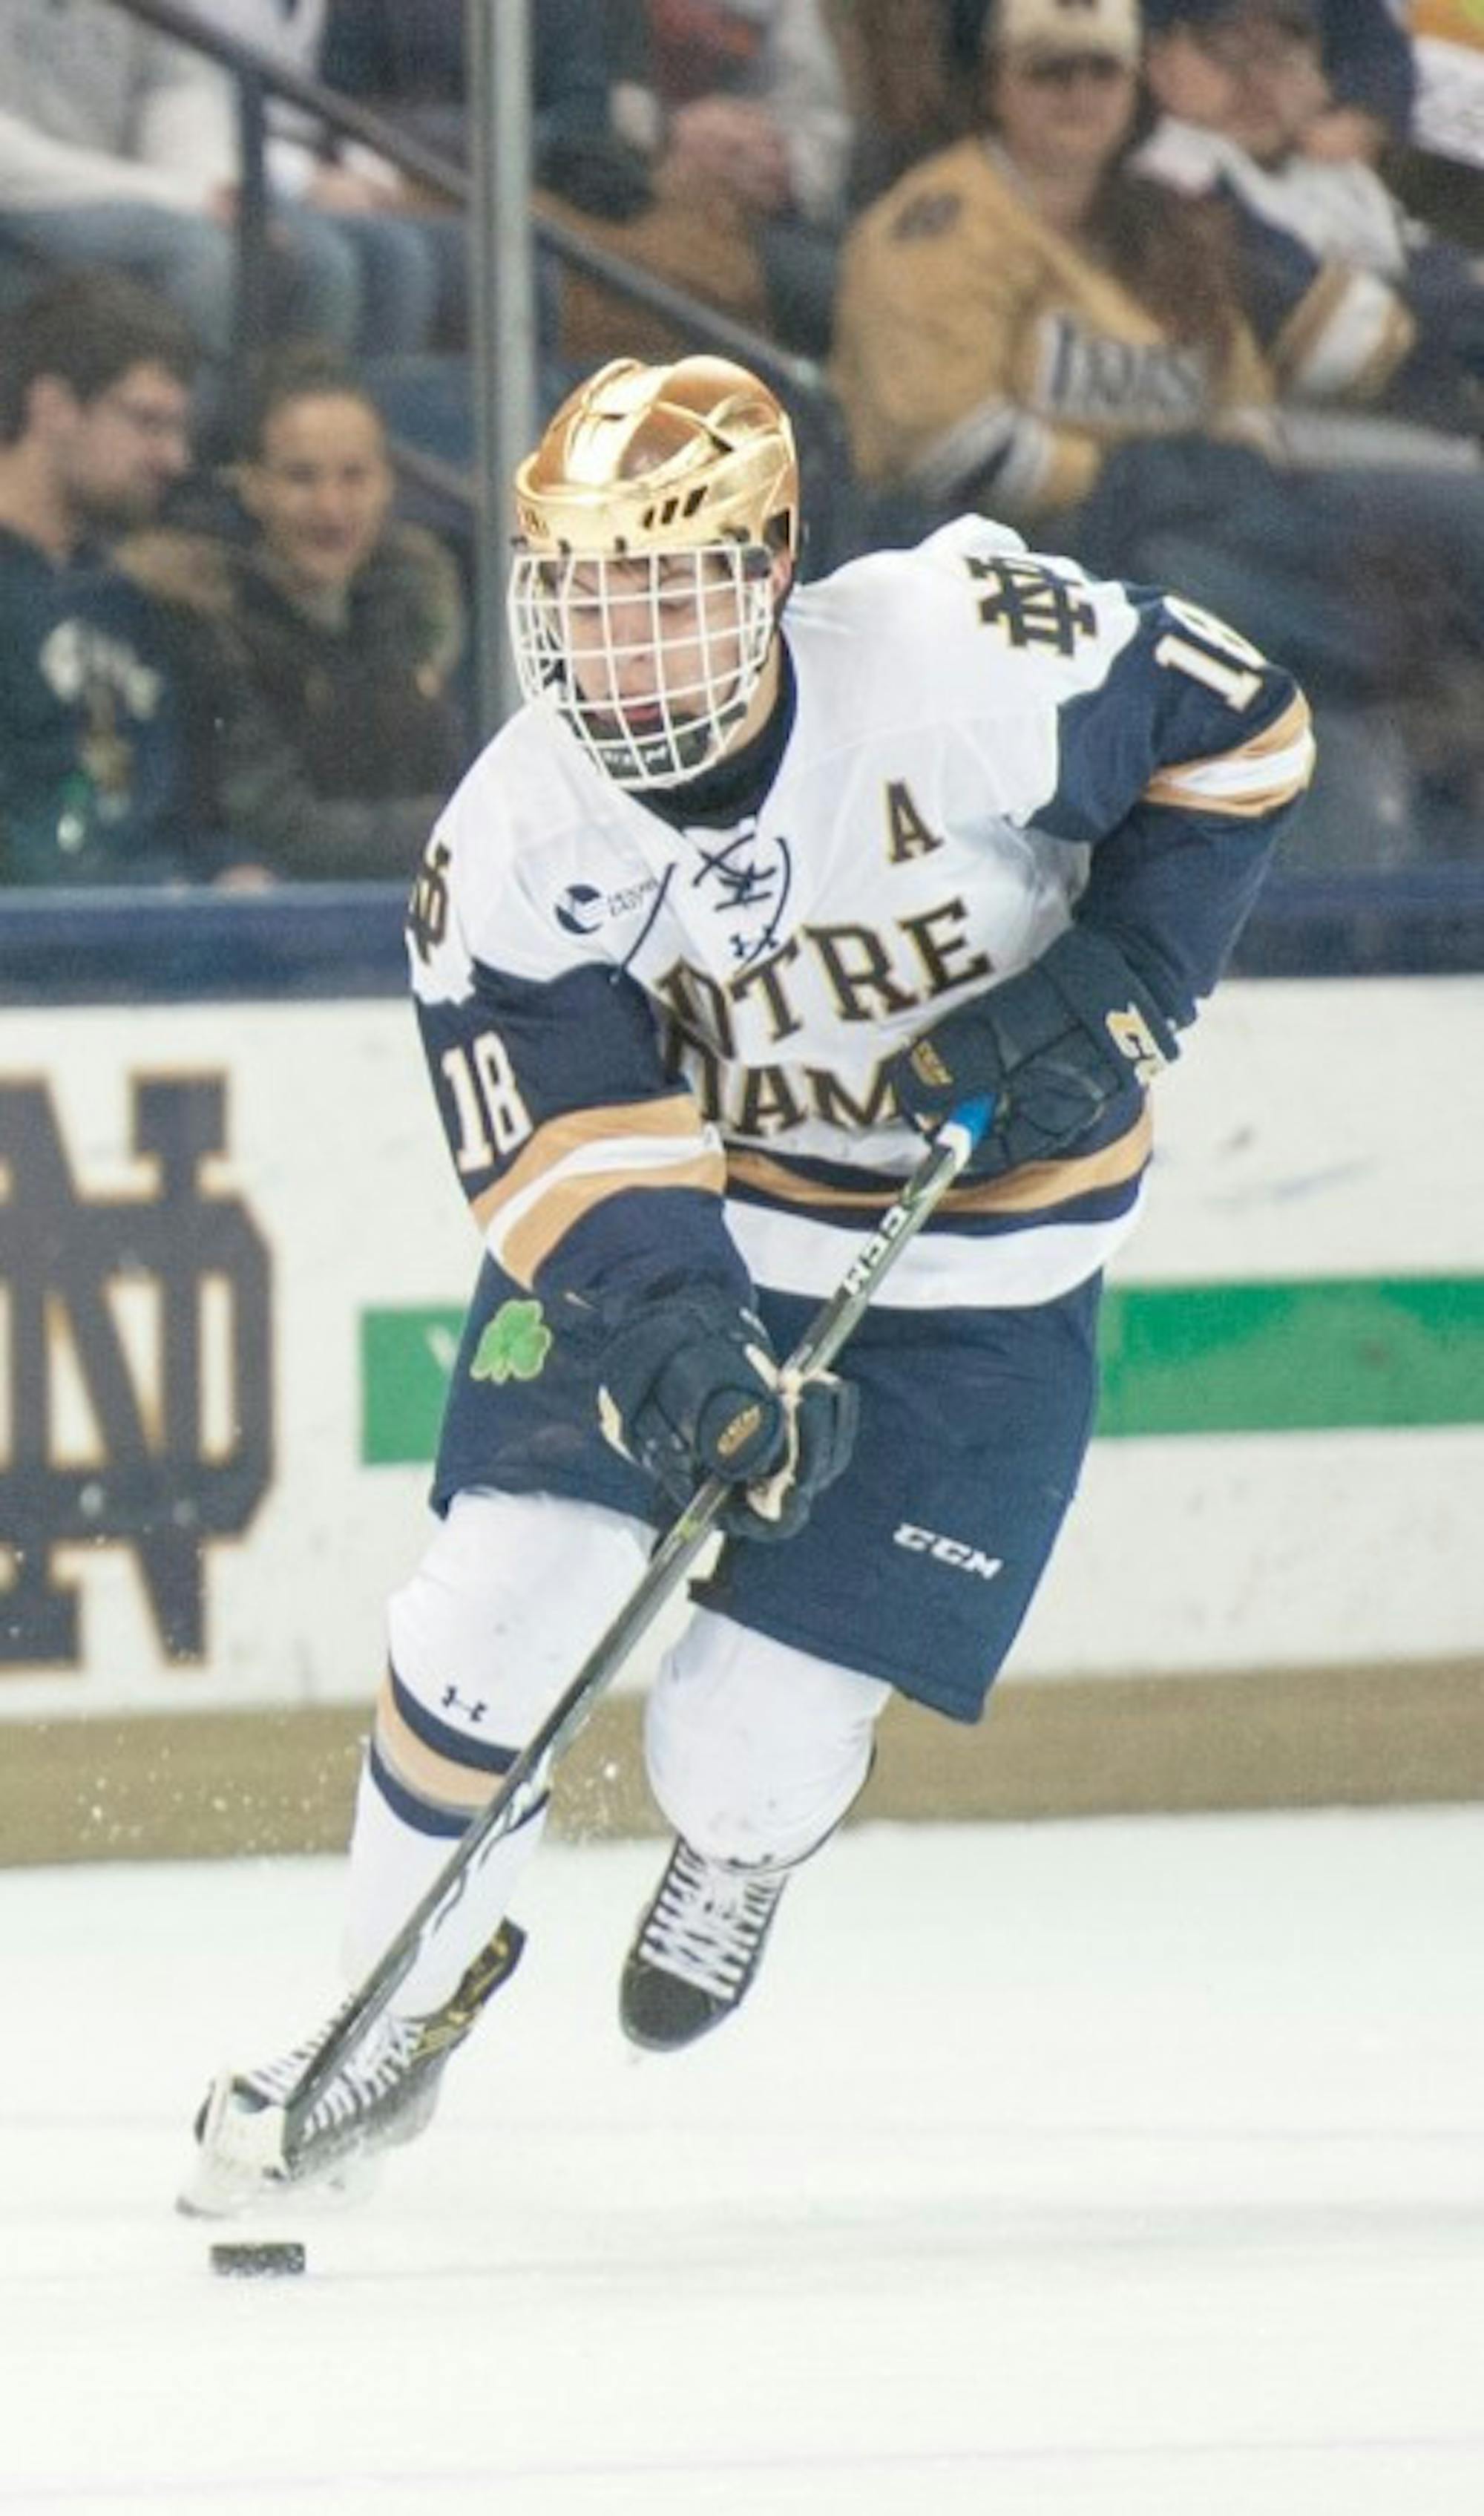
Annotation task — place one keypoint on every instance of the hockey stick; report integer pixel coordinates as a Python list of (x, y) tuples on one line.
[(526, 1783)]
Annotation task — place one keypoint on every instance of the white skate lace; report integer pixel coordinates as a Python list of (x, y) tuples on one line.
[(365, 2079), (708, 1922)]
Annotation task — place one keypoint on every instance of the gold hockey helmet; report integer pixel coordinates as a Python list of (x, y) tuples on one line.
[(650, 520), (662, 458)]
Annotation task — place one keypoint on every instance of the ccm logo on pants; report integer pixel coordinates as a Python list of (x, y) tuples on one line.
[(946, 1550)]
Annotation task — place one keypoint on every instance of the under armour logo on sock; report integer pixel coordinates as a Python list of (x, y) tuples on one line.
[(453, 1701)]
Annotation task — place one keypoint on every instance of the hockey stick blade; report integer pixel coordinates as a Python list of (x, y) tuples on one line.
[(526, 1783)]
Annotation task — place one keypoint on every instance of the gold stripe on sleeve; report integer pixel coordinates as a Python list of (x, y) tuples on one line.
[(1033, 1188), (529, 1242), (576, 1129), (1230, 782), (576, 1132)]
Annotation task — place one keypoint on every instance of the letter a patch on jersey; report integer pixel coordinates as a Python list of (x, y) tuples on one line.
[(907, 833)]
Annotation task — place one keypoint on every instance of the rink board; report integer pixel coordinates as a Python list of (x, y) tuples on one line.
[(154, 1786), (231, 1263)]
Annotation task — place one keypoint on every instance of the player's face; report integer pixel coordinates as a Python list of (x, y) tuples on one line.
[(646, 636), (659, 663), (1061, 113), (118, 454), (321, 489)]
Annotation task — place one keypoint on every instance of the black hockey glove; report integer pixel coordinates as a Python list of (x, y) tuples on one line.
[(690, 1388), (1054, 1046)]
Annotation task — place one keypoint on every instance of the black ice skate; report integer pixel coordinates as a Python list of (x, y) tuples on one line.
[(383, 2096), (697, 1948)]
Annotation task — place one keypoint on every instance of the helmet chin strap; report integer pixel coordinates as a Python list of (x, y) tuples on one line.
[(682, 752)]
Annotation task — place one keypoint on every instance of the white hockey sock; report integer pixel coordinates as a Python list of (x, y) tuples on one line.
[(511, 1595), (393, 1866)]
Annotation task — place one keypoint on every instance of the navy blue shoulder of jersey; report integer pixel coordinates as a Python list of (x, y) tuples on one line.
[(1179, 771)]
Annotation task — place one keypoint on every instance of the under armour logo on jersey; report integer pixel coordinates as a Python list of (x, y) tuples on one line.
[(746, 881), (1033, 608)]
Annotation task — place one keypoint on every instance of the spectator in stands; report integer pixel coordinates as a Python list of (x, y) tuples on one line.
[(318, 646), (118, 145), (405, 58), (1028, 327), (1440, 173), (907, 82), (1371, 77), (737, 119), (95, 401), (348, 204), (1368, 66), (744, 101), (1352, 300), (1013, 311)]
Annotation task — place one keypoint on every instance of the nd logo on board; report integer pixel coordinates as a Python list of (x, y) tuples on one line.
[(135, 1365)]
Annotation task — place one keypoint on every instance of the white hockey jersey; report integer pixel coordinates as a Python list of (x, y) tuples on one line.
[(659, 1043)]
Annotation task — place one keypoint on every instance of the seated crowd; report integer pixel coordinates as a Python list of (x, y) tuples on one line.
[(1143, 282), (266, 690)]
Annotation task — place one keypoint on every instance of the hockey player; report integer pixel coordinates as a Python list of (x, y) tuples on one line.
[(760, 880)]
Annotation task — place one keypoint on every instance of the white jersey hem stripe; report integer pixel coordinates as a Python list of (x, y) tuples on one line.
[(945, 1270)]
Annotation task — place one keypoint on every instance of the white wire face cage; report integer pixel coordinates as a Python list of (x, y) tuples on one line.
[(651, 661)]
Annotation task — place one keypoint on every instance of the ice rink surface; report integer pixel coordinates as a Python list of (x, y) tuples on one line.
[(1106, 2169)]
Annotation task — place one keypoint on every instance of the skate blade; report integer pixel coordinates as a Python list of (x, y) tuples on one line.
[(346, 2186), (239, 2165), (239, 2158)]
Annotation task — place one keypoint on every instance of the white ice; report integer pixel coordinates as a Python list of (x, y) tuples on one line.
[(1106, 2169)]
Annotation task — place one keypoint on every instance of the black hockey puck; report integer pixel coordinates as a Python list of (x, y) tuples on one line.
[(258, 2262)]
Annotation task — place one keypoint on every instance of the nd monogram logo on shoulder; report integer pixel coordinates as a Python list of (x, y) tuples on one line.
[(135, 1366), (1030, 605)]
